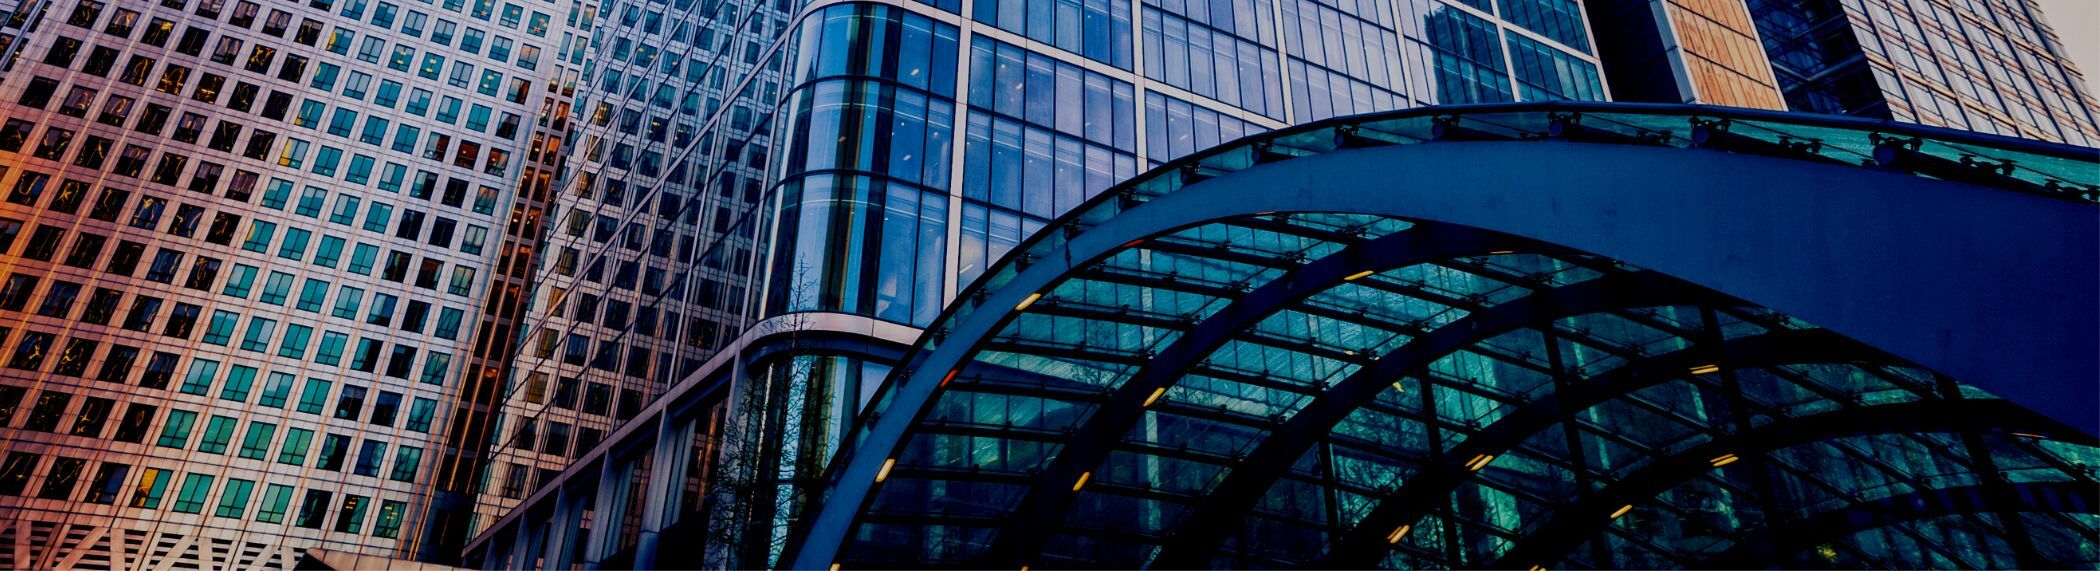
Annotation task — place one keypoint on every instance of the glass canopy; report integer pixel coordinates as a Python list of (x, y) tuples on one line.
[(1242, 393)]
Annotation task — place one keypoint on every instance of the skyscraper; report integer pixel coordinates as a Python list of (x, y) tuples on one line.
[(245, 247)]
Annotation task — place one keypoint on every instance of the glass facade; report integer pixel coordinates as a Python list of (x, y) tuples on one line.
[(245, 244)]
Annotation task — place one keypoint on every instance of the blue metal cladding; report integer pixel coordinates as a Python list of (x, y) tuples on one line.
[(1253, 384)]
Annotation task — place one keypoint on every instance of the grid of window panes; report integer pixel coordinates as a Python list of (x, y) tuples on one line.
[(1983, 65), (242, 241)]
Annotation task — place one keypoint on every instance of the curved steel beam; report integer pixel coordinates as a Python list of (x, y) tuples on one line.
[(1764, 550), (1364, 544), (1569, 526), (1042, 509), (1212, 521)]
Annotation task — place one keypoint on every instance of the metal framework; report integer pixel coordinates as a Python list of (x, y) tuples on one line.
[(1209, 355)]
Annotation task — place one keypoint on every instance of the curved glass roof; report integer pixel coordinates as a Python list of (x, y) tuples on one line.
[(1242, 393)]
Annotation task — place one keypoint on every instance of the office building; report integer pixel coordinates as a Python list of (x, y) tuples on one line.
[(245, 246)]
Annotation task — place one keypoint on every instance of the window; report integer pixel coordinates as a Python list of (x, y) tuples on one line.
[(217, 434), (370, 455), (176, 433), (238, 381), (233, 501), (94, 413), (331, 352), (109, 481), (220, 331), (276, 390), (14, 474), (351, 518), (385, 408), (389, 523), (242, 278), (333, 450), (311, 294), (137, 419), (198, 381), (160, 368), (315, 397), (275, 500), (277, 288), (347, 300), (296, 441), (259, 333), (435, 367), (420, 413), (257, 444), (406, 459), (50, 409), (195, 489), (65, 473), (30, 351), (313, 509), (350, 403), (153, 483)]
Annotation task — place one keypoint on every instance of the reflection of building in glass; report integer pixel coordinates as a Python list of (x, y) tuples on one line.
[(1254, 359)]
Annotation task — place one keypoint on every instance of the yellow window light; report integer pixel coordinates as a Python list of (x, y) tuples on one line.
[(1480, 461), (1622, 511), (1538, 568), (1030, 300), (1401, 532), (1359, 275), (1397, 387), (1156, 393), (1724, 460), (1706, 369), (885, 473), (1501, 252), (834, 567), (1082, 481)]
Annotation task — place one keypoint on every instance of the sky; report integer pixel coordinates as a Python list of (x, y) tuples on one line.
[(2077, 23)]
